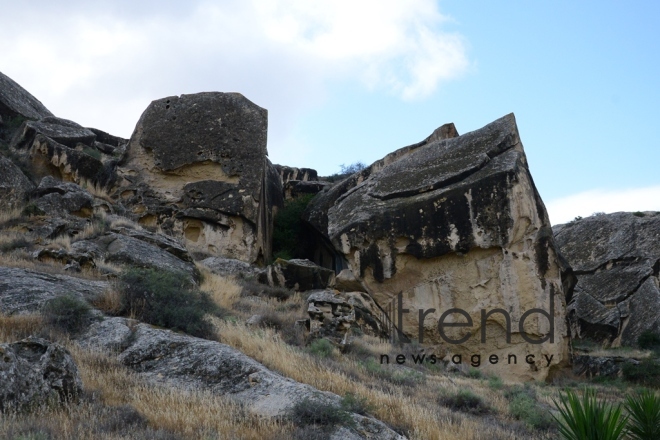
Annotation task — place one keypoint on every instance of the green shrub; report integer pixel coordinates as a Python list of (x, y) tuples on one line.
[(167, 299), (646, 373), (288, 239), (475, 374), (356, 404), (465, 401), (67, 313), (639, 214), (321, 348), (524, 406), (319, 412), (495, 383), (587, 418), (93, 152), (648, 340), (644, 416)]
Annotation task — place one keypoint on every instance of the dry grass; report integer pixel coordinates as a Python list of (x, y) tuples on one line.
[(109, 302), (8, 215), (223, 290), (96, 190), (118, 222), (414, 410), (168, 413), (60, 242)]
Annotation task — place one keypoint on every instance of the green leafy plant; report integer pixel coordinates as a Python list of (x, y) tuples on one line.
[(644, 416), (524, 406), (587, 418), (167, 299), (67, 313)]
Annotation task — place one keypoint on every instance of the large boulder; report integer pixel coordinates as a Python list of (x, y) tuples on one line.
[(15, 187), (16, 102), (197, 166), (616, 258), (455, 222), (297, 274), (26, 291), (172, 359), (36, 372)]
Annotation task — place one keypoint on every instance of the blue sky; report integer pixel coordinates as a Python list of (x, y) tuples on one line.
[(353, 80)]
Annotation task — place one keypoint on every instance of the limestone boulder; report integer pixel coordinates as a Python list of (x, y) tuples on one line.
[(230, 267), (35, 372), (57, 198), (332, 314), (288, 174), (197, 166), (616, 258), (455, 222), (15, 187)]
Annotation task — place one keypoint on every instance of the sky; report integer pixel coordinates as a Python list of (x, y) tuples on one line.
[(347, 81)]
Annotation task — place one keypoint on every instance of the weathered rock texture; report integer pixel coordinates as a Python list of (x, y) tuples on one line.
[(168, 358), (15, 102), (616, 258), (197, 166), (297, 274), (15, 187), (454, 222), (35, 372), (26, 291)]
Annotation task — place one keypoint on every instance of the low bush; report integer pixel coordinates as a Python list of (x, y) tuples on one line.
[(288, 239), (524, 406), (356, 404), (321, 348), (648, 340), (67, 313), (167, 299), (319, 412), (646, 373), (465, 401)]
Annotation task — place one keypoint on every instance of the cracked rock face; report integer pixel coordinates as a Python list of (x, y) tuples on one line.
[(455, 222), (197, 166), (616, 258), (34, 372)]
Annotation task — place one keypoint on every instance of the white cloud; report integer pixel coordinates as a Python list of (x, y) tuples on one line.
[(100, 64), (584, 204)]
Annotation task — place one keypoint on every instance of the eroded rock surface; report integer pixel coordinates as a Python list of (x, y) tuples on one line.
[(197, 166), (455, 222), (35, 372), (26, 291), (297, 274), (616, 258), (168, 358), (15, 187), (15, 101)]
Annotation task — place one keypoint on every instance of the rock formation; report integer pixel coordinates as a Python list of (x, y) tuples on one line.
[(35, 372), (455, 222), (616, 258), (197, 166)]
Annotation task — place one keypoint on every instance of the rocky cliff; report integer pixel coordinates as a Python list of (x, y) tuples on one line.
[(455, 222), (616, 258)]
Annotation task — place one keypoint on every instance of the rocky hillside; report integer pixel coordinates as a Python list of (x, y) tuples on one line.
[(177, 284)]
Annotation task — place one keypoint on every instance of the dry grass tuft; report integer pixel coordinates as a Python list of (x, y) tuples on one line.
[(16, 327), (96, 190), (223, 290), (9, 215), (109, 302)]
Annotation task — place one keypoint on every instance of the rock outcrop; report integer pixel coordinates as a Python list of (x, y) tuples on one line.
[(16, 102), (15, 187), (168, 358), (35, 372), (297, 274), (197, 166), (26, 291), (455, 222), (616, 258)]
